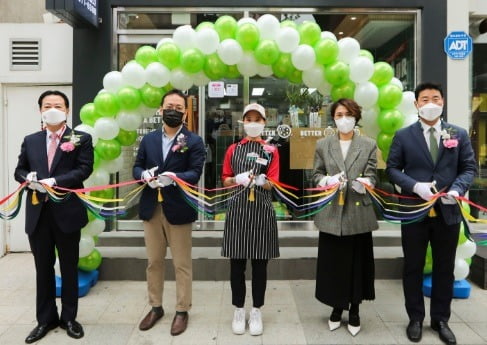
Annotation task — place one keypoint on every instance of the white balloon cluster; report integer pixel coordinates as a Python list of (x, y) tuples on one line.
[(464, 251)]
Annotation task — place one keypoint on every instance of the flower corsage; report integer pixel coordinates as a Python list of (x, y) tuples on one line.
[(449, 139), (70, 145), (181, 144)]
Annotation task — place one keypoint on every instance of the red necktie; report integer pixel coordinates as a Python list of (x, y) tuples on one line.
[(52, 149)]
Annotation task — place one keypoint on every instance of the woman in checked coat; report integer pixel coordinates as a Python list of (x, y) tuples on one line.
[(250, 231)]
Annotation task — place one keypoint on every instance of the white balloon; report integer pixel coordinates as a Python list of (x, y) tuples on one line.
[(287, 39), (264, 70), (180, 79), (99, 177), (200, 78), (112, 166), (57, 267), (207, 40), (268, 26), (145, 111), (349, 49), (247, 66), (410, 119), (246, 20), (230, 51), (369, 121), (303, 57), (407, 105), (164, 40), (184, 37), (106, 128), (328, 34), (397, 82), (113, 81), (314, 76), (133, 74), (88, 129), (366, 94), (157, 74), (94, 227), (129, 121), (361, 69), (461, 269), (324, 88), (86, 245), (466, 250)]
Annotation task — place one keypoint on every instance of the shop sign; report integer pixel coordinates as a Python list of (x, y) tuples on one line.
[(458, 45), (77, 13), (232, 89), (216, 89), (88, 9)]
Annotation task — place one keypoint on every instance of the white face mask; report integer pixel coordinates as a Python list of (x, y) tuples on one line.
[(430, 111), (253, 129), (53, 116), (345, 124)]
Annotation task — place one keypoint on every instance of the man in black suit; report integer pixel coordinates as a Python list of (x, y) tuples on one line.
[(55, 156), (167, 217), (431, 155)]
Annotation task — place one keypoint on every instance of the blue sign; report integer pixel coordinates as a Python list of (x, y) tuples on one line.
[(88, 9), (458, 45)]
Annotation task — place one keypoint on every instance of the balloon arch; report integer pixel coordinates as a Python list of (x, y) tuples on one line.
[(300, 53)]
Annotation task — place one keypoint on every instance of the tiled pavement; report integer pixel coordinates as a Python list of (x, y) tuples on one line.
[(112, 309)]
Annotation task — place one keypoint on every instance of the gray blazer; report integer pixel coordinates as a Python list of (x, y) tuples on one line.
[(357, 214)]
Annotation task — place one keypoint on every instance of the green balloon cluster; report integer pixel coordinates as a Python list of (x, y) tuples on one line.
[(90, 262)]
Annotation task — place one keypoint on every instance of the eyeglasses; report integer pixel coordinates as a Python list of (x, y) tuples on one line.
[(174, 106)]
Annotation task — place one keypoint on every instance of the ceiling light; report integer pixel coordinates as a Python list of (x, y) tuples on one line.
[(258, 91), (340, 33), (353, 18)]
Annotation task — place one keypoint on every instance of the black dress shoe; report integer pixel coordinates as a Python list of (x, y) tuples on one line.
[(446, 334), (39, 332), (73, 328), (414, 331)]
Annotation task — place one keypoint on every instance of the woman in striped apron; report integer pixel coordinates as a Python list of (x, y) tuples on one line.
[(250, 224)]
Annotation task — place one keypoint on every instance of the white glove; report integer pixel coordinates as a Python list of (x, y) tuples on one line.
[(450, 197), (322, 182), (48, 181), (243, 179), (148, 177), (165, 178), (423, 189), (333, 180), (358, 184), (260, 180), (31, 177)]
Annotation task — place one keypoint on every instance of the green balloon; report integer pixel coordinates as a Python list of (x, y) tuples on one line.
[(390, 120), (96, 161), (466, 207), (192, 60), (88, 114), (233, 72), (90, 262), (326, 51), (282, 66), (226, 26), (205, 25), (428, 265), (145, 55), (289, 24), (468, 261), (337, 73), (108, 149), (151, 95), (108, 193), (345, 90), (383, 73), (126, 138), (390, 96), (309, 33), (295, 76), (267, 52), (169, 55), (248, 36), (106, 104), (367, 54), (91, 216), (461, 237), (214, 67), (384, 141), (129, 97), (166, 88)]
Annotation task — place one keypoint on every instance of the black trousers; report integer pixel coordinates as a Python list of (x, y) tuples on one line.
[(237, 281), (46, 236), (444, 240)]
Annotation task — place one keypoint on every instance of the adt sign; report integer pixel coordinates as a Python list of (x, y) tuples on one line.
[(458, 45)]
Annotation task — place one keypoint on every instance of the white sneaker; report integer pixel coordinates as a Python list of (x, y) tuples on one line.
[(255, 322), (238, 323)]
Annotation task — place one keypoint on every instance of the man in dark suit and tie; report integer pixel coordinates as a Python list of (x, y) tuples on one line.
[(168, 218), (427, 156), (55, 156)]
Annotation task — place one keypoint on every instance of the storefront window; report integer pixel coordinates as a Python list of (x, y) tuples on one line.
[(390, 36)]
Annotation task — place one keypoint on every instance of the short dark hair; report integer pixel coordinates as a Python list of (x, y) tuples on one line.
[(427, 86), (351, 106), (176, 92), (53, 92)]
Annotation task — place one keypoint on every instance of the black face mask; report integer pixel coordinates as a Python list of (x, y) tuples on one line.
[(172, 117)]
